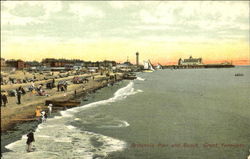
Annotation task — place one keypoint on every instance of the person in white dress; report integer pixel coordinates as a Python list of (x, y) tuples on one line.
[(43, 116), (50, 109)]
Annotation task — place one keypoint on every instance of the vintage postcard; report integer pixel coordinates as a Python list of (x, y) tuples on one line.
[(125, 80)]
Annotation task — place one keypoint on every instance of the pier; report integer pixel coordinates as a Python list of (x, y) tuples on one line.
[(198, 66)]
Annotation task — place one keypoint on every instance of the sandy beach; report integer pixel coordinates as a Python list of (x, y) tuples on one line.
[(14, 113)]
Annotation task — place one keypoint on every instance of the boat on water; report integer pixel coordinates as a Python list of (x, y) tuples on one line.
[(159, 67), (239, 74), (130, 76), (63, 103), (148, 67)]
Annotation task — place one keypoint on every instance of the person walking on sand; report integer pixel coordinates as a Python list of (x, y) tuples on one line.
[(30, 139), (19, 92), (50, 109), (5, 99)]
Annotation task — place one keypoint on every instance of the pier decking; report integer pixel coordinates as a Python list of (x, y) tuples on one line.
[(198, 66)]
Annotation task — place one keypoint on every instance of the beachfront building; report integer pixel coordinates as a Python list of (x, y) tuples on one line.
[(76, 64), (106, 63), (29, 64), (17, 64), (33, 66), (125, 67), (51, 62), (190, 61), (5, 67), (3, 64)]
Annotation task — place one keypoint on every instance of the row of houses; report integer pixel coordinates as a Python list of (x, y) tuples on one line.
[(18, 64), (51, 62)]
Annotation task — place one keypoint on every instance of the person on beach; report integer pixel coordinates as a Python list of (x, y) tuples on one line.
[(66, 85), (32, 84), (62, 88), (50, 109), (22, 90), (38, 113), (39, 88), (4, 99), (53, 82), (58, 87), (44, 116), (30, 139), (19, 93), (1, 99)]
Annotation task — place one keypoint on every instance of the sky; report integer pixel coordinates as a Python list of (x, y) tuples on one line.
[(162, 31)]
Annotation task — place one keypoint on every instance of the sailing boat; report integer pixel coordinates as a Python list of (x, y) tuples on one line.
[(148, 67), (159, 67)]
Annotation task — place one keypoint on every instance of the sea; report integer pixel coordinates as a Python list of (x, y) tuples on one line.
[(165, 114)]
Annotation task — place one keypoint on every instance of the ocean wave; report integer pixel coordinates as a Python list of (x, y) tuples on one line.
[(65, 141), (120, 94), (120, 124), (140, 79), (77, 119), (70, 127), (74, 143)]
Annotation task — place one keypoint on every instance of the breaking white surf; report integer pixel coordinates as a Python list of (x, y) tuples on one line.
[(56, 139)]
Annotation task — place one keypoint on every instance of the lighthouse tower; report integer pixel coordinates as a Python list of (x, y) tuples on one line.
[(137, 59)]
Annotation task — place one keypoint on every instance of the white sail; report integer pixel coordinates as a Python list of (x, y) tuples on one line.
[(159, 67), (146, 65)]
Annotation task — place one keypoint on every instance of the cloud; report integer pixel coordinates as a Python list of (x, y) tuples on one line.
[(22, 13), (155, 20), (196, 19), (21, 10), (117, 4), (84, 10), (203, 14), (123, 4)]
